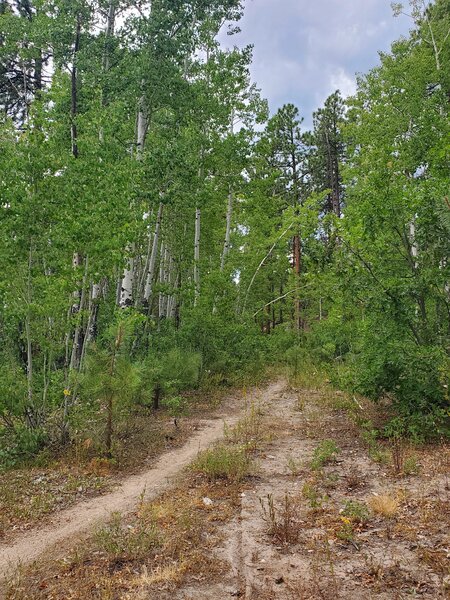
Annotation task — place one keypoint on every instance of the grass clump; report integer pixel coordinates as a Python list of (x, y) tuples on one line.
[(120, 541), (250, 431), (223, 462), (385, 505), (325, 453), (313, 496), (411, 465), (294, 466), (283, 520)]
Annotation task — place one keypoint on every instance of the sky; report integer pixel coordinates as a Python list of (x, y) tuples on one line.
[(306, 49)]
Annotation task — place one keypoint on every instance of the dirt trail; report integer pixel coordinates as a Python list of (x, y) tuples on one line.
[(84, 516), (381, 558)]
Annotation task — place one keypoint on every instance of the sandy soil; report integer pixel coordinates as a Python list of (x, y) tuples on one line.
[(82, 518), (384, 559), (403, 556)]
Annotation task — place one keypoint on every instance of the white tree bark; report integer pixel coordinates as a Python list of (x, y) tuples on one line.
[(413, 242), (94, 296), (226, 245), (197, 255), (126, 292), (109, 32), (142, 127), (152, 264), (76, 350), (163, 280)]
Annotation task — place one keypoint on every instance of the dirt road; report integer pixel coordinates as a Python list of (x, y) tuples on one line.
[(84, 516)]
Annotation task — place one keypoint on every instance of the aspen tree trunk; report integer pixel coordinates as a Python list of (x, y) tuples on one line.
[(141, 129), (109, 32), (141, 133), (197, 255), (74, 91), (162, 280), (413, 243), (76, 260), (143, 275), (126, 293), (94, 295), (152, 264), (29, 412), (226, 244), (77, 349), (76, 346)]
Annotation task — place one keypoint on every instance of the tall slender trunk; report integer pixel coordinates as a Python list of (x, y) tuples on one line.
[(197, 255), (91, 327), (126, 291), (76, 346), (109, 32), (297, 245), (30, 412), (141, 129), (126, 294), (74, 90), (162, 281), (152, 263), (297, 271), (143, 275), (436, 51), (226, 245), (414, 250)]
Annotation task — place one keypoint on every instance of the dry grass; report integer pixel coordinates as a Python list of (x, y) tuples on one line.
[(385, 505), (163, 544), (28, 496), (251, 431), (223, 462), (282, 518)]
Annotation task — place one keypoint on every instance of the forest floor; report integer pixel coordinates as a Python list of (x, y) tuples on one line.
[(299, 501)]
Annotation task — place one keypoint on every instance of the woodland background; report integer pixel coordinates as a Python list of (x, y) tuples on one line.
[(160, 230)]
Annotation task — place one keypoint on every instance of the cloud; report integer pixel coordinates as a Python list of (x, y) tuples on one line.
[(306, 49)]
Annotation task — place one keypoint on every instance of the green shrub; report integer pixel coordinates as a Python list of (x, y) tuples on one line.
[(20, 445), (175, 405), (167, 374), (356, 511)]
